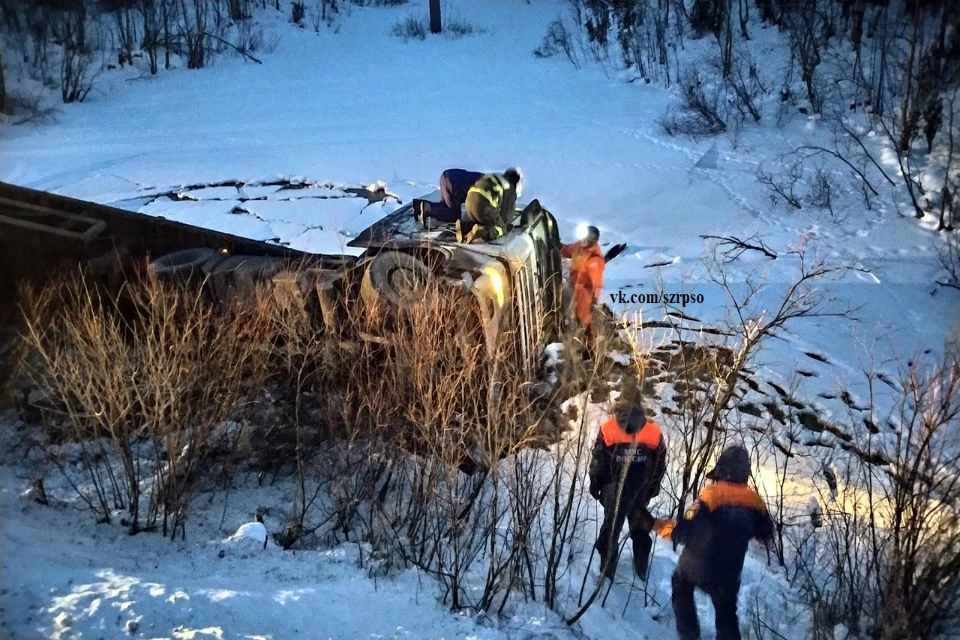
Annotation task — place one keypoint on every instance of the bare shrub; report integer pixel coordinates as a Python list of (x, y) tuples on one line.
[(77, 67), (709, 373), (556, 40), (298, 11), (249, 37), (887, 562), (949, 254), (30, 107), (436, 455), (193, 25), (699, 113), (747, 87), (821, 194), (76, 75), (802, 21), (411, 28), (784, 185), (708, 16), (951, 177), (142, 384), (151, 17), (326, 12), (456, 26)]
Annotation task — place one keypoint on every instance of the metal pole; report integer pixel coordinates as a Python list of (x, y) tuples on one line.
[(435, 24)]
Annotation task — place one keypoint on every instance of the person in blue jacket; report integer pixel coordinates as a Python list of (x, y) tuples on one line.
[(714, 533), (454, 185)]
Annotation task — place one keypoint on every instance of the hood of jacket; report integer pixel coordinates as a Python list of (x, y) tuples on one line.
[(733, 466)]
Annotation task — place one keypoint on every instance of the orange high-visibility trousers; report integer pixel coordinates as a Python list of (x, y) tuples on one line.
[(586, 277), (583, 303)]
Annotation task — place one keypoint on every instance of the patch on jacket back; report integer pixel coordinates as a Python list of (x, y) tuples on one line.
[(623, 455)]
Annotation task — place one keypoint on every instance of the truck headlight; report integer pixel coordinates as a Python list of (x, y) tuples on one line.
[(496, 283)]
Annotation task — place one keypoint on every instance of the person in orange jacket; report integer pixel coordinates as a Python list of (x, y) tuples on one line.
[(586, 274), (627, 467), (714, 533)]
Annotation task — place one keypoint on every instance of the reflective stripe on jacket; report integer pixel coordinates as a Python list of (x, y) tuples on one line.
[(649, 436), (491, 188)]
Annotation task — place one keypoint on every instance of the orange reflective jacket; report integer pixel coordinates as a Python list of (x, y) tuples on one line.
[(649, 436), (586, 267), (639, 458)]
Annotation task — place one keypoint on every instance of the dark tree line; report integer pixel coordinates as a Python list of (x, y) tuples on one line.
[(893, 63), (905, 50), (82, 37)]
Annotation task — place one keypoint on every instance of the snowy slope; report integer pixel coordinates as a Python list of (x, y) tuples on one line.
[(357, 106), (75, 579), (66, 577)]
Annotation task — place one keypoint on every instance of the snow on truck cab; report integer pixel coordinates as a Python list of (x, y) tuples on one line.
[(515, 280)]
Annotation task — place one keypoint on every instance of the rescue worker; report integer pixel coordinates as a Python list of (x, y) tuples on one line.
[(454, 184), (629, 460), (491, 206), (586, 274), (715, 532)]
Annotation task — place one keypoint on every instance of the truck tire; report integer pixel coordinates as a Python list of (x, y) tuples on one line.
[(236, 278), (390, 277), (181, 265)]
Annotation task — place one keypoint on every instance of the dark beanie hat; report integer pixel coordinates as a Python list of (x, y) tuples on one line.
[(733, 465)]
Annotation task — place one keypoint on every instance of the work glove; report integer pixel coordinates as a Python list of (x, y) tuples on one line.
[(664, 527)]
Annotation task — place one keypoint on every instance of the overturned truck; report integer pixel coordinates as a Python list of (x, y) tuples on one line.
[(514, 282)]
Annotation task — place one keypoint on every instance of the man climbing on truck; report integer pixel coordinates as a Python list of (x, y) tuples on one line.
[(454, 185), (491, 206)]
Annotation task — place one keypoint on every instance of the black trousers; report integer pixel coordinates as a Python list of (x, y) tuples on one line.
[(633, 510), (448, 209), (491, 224), (724, 597)]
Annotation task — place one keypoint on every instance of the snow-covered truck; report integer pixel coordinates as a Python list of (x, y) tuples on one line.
[(515, 281)]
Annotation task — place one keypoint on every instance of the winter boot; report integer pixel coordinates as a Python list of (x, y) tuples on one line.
[(466, 237), (641, 565), (421, 209), (611, 569)]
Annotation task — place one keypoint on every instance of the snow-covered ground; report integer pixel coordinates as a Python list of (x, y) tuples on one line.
[(66, 577), (360, 106)]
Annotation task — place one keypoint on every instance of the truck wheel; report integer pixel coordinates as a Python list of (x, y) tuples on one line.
[(181, 264), (391, 277)]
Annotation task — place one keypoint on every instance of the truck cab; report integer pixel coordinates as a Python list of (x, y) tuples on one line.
[(515, 279)]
